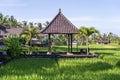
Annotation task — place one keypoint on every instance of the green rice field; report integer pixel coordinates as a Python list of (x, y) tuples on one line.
[(106, 67)]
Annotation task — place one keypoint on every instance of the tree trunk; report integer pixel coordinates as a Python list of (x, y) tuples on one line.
[(87, 46), (30, 48)]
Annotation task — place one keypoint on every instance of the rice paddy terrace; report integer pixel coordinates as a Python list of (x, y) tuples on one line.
[(106, 67)]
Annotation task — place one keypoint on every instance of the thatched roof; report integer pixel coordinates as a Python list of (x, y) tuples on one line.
[(60, 25), (13, 31)]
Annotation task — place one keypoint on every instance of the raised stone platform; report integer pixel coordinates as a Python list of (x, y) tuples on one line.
[(59, 55)]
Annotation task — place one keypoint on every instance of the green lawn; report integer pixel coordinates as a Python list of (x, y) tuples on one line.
[(106, 67)]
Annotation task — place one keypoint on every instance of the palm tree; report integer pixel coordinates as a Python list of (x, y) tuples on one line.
[(8, 21), (110, 35), (87, 32), (5, 21), (29, 33), (24, 23), (80, 38), (39, 25), (12, 22), (46, 23), (31, 24), (19, 24), (1, 18)]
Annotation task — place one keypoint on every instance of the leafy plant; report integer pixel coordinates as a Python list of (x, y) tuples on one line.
[(87, 32), (14, 45)]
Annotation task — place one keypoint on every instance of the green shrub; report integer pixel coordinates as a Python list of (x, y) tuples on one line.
[(13, 44)]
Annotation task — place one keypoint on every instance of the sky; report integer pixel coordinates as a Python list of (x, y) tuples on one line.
[(104, 15)]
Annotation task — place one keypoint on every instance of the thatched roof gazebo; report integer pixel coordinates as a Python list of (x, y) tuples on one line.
[(60, 25)]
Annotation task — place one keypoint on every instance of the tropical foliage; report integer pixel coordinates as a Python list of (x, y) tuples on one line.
[(29, 33), (13, 44), (46, 23), (112, 38), (87, 32), (10, 21)]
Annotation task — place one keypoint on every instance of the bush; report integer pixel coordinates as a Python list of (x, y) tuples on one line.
[(14, 45)]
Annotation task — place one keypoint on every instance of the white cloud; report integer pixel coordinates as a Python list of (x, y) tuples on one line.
[(12, 3)]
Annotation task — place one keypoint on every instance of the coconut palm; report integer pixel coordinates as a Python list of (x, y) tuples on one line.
[(80, 38), (29, 33), (39, 25), (4, 21), (12, 22), (46, 23), (31, 24), (110, 35), (87, 32), (24, 23), (1, 18), (8, 21)]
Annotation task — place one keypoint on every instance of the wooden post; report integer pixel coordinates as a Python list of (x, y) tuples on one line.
[(49, 44), (71, 42), (68, 43)]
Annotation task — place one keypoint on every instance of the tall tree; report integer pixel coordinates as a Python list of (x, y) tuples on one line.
[(110, 35), (9, 21), (29, 33), (87, 32), (46, 23), (12, 22), (24, 23), (5, 21), (1, 18), (31, 24), (39, 25)]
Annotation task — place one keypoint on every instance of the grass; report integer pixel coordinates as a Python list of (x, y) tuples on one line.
[(106, 67), (61, 69), (75, 49), (93, 47)]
